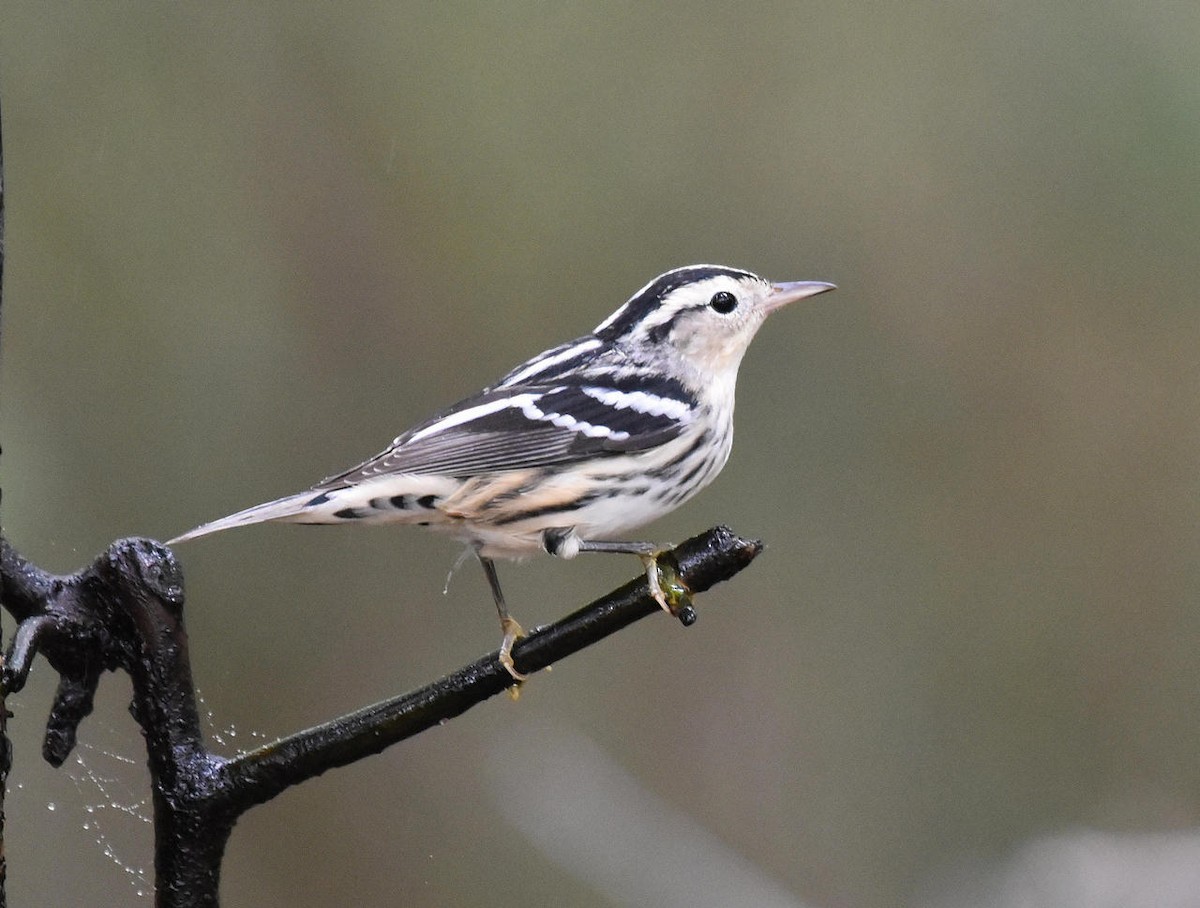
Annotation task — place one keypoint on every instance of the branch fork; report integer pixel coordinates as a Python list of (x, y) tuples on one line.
[(125, 612)]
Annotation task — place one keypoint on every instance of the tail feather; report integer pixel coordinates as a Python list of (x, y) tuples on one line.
[(397, 498), (281, 509)]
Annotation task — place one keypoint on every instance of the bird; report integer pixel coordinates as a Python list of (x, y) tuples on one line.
[(574, 448)]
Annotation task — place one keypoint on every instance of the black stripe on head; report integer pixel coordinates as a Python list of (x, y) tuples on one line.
[(653, 294)]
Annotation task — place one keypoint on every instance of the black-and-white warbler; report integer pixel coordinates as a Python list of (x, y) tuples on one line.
[(577, 446)]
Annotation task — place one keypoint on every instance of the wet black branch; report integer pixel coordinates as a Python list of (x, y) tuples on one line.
[(701, 562), (125, 611)]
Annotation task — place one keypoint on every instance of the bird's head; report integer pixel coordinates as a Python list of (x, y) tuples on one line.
[(700, 318)]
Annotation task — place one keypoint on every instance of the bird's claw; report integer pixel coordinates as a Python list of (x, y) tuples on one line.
[(512, 633), (668, 589)]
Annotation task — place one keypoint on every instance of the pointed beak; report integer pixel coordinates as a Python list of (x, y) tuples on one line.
[(782, 294)]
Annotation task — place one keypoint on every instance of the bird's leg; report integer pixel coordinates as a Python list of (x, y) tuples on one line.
[(508, 624), (668, 590)]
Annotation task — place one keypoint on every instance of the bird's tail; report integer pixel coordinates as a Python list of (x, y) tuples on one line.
[(290, 508), (391, 498)]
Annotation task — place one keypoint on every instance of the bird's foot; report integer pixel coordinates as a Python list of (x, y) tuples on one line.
[(512, 633), (668, 589)]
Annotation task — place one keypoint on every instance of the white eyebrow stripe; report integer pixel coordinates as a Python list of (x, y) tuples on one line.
[(639, 401), (741, 275), (471, 413), (543, 363)]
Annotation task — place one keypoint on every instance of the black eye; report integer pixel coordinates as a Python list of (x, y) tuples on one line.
[(723, 302)]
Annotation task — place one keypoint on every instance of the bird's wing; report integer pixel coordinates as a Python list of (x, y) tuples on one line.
[(516, 427)]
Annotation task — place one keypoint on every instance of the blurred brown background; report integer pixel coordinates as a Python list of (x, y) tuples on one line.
[(249, 243)]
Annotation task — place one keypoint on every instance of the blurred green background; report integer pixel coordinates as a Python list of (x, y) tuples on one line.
[(249, 243)]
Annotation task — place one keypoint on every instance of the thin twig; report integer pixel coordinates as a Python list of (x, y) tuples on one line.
[(262, 773)]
